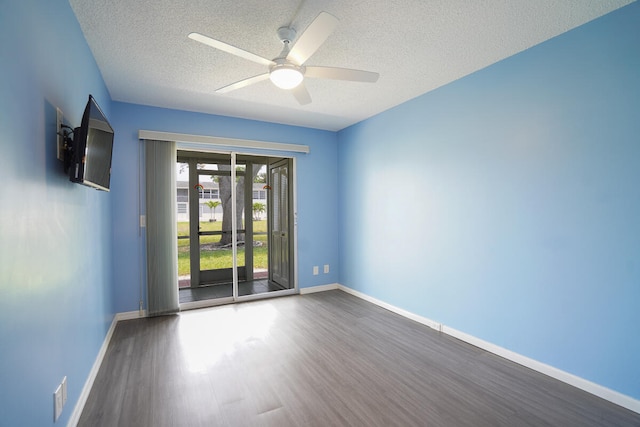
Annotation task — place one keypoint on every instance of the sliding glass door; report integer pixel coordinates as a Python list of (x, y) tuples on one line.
[(215, 262), (226, 226)]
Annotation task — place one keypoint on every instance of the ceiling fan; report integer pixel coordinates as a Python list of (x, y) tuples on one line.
[(287, 70)]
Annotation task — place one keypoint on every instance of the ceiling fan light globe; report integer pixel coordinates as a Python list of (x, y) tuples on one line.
[(286, 77)]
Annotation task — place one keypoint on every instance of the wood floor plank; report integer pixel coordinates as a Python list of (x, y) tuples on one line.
[(320, 359)]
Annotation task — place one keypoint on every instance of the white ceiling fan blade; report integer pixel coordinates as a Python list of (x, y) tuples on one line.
[(312, 38), (225, 47), (243, 83), (341, 74), (301, 93)]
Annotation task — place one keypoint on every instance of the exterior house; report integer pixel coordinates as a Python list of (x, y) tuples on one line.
[(211, 192)]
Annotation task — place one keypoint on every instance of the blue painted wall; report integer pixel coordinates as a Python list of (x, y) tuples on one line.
[(55, 242), (513, 193), (316, 195), (508, 203)]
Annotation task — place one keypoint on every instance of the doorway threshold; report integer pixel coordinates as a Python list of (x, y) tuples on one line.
[(206, 296)]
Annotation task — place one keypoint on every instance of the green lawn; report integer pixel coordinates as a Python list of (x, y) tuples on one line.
[(214, 259)]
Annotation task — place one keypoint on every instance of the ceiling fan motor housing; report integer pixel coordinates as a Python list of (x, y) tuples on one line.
[(286, 34)]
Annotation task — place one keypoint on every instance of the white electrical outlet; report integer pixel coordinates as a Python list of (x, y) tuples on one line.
[(57, 403), (143, 221), (64, 390), (59, 399), (59, 137), (316, 271), (326, 268)]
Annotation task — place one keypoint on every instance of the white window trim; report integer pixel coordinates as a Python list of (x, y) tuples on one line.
[(184, 138)]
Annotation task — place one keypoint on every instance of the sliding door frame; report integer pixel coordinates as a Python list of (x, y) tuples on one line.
[(294, 215)]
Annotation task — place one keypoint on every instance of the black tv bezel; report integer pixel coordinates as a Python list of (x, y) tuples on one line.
[(79, 146)]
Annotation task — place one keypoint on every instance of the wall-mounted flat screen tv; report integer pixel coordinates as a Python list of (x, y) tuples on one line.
[(92, 149)]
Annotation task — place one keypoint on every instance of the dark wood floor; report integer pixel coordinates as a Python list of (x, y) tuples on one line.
[(325, 359)]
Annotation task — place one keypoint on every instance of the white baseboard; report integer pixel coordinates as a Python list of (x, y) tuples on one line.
[(578, 382), (588, 386), (320, 288), (129, 315), (84, 394), (86, 389)]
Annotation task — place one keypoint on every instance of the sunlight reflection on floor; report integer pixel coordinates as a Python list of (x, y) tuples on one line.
[(206, 336)]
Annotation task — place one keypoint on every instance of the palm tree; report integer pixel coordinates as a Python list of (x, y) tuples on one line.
[(258, 208), (212, 206)]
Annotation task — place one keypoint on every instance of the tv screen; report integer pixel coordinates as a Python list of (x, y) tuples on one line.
[(92, 149)]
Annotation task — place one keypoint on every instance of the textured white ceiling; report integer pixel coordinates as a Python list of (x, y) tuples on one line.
[(145, 57)]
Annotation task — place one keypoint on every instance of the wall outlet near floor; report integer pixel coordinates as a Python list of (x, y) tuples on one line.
[(59, 399), (315, 270), (64, 391), (57, 403), (326, 268)]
